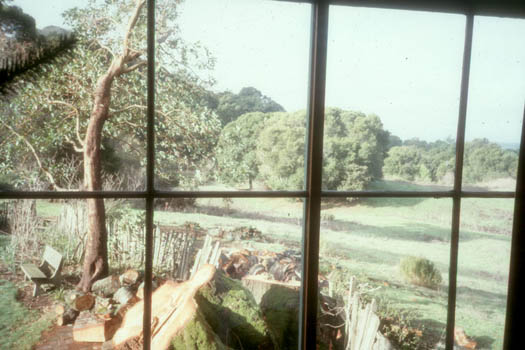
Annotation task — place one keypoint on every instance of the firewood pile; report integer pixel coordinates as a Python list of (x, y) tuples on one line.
[(97, 315), (282, 267)]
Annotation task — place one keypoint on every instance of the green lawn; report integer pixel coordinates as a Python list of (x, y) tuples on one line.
[(20, 328)]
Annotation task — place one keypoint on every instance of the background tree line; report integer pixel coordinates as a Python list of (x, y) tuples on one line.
[(416, 160)]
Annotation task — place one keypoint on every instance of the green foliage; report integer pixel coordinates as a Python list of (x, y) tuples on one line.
[(230, 106), (404, 162), (420, 271), (431, 161), (236, 149), (354, 148), (51, 113), (485, 160), (280, 151)]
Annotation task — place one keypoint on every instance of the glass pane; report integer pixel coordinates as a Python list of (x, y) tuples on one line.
[(392, 99), (483, 271), (47, 107), (52, 243), (396, 251), (252, 298), (495, 105), (231, 93)]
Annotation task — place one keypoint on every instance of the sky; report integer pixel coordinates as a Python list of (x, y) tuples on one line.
[(404, 66)]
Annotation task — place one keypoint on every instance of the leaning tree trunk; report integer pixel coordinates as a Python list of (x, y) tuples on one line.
[(96, 256)]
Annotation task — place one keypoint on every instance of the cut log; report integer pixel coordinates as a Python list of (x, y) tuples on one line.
[(123, 295), (173, 306), (67, 317), (84, 302), (90, 328), (60, 309), (259, 285), (129, 277), (106, 286)]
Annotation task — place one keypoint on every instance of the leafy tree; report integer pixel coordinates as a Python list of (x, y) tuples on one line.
[(230, 106), (431, 161), (280, 151), (98, 98), (354, 146), (236, 149), (485, 160), (403, 162)]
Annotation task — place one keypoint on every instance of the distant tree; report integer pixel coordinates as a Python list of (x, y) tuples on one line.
[(393, 141), (403, 162), (236, 149), (230, 106), (431, 161), (485, 160), (353, 150), (280, 151)]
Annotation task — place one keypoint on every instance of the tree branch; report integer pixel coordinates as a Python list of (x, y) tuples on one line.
[(79, 138), (132, 21), (133, 67), (37, 158)]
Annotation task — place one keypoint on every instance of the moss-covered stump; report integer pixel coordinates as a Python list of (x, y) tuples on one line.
[(280, 308), (233, 314), (197, 335)]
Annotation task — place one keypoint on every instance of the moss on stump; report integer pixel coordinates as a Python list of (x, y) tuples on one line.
[(197, 335), (280, 307), (233, 314)]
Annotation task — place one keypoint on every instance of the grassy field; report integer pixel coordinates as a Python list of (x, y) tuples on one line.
[(368, 238)]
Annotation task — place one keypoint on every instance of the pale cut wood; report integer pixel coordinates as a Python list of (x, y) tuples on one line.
[(370, 332), (90, 328), (173, 306), (60, 309), (353, 325)]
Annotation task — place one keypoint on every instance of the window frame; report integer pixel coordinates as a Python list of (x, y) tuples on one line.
[(313, 193)]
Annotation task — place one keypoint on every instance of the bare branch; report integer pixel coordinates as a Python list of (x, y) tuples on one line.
[(133, 67), (132, 21)]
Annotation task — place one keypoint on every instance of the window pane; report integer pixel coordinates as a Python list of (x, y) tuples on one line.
[(397, 249), (231, 93), (57, 233), (47, 110), (483, 270), (252, 299), (392, 99), (495, 108)]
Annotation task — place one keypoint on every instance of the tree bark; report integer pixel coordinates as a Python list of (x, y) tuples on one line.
[(96, 257)]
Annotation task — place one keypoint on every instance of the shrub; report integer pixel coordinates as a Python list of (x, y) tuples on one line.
[(420, 271)]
